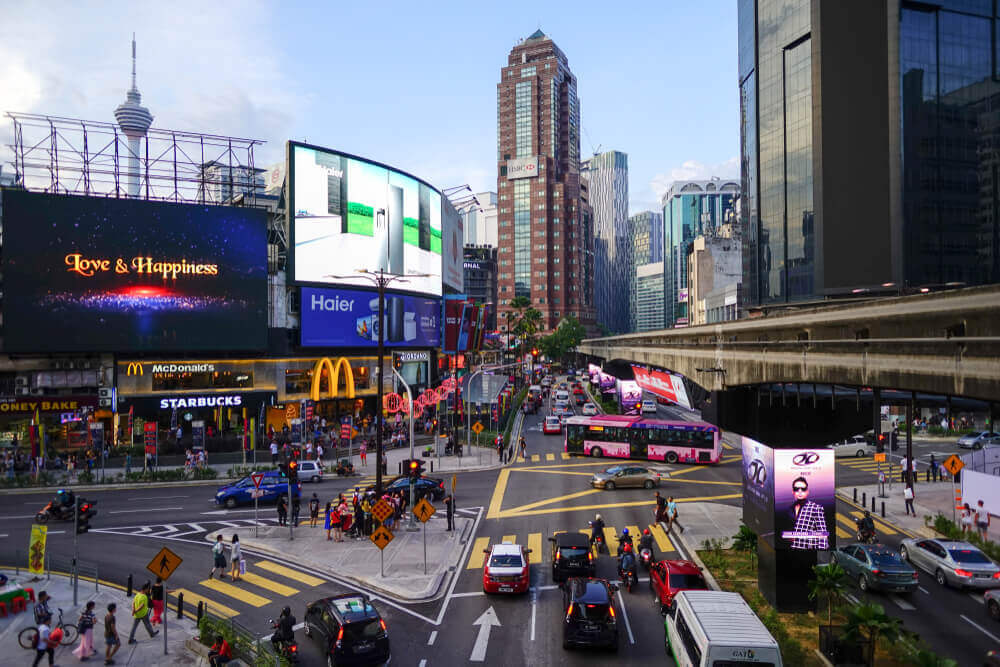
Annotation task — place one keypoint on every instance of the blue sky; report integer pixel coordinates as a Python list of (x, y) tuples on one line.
[(412, 85)]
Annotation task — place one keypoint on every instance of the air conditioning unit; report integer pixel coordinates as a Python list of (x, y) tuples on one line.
[(21, 381), (104, 402), (22, 391), (104, 392)]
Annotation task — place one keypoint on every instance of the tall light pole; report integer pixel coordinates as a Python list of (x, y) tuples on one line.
[(381, 279)]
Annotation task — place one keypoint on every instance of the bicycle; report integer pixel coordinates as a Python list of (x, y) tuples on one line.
[(28, 637)]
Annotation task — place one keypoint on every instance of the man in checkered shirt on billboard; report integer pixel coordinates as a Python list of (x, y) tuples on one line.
[(809, 518)]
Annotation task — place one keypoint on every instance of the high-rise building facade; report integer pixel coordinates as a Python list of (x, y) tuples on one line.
[(479, 218), (690, 209), (542, 223), (646, 230), (868, 146), (479, 268), (607, 175), (650, 297)]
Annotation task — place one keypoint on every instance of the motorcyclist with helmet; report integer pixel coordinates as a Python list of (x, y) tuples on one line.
[(596, 529), (626, 564), (623, 540), (866, 528), (646, 542), (285, 629)]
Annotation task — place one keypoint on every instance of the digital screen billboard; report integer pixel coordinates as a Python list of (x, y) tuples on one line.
[(758, 488), (663, 384), (125, 275), (629, 397), (349, 318), (804, 498), (352, 214), (453, 242)]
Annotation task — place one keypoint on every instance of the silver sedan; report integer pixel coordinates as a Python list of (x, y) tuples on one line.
[(957, 564)]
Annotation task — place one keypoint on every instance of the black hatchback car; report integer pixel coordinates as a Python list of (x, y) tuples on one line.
[(427, 487), (571, 556), (348, 629), (590, 613)]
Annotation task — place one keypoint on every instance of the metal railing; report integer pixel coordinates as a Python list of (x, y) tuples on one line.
[(247, 645)]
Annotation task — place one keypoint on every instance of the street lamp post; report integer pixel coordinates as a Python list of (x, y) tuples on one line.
[(412, 526)]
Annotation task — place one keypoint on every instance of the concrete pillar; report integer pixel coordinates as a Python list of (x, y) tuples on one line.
[(909, 441), (877, 414)]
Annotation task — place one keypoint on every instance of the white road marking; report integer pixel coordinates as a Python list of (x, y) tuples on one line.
[(978, 597), (434, 635), (26, 516), (147, 509), (52, 532), (486, 622), (534, 606), (470, 594), (160, 498), (3, 535), (980, 628), (901, 603), (923, 590), (628, 626), (423, 663), (851, 597)]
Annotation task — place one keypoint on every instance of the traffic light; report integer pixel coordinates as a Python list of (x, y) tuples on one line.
[(415, 468), (397, 363), (534, 351), (85, 510), (293, 471), (283, 468), (893, 440), (880, 445)]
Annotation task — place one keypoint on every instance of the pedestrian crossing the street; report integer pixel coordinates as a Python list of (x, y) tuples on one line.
[(535, 542)]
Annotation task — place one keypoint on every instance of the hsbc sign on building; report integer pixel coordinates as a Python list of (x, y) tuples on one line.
[(526, 167)]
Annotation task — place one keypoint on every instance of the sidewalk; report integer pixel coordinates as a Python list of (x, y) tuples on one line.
[(145, 652), (476, 458), (358, 560)]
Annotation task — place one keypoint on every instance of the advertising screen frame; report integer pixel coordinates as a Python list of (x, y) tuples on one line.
[(396, 305), (817, 467), (291, 208), (758, 488)]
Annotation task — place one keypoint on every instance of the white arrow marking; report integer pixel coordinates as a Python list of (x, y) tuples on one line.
[(485, 623), (169, 529)]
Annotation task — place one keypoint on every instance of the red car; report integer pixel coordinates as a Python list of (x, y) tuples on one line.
[(507, 569), (552, 424), (667, 577)]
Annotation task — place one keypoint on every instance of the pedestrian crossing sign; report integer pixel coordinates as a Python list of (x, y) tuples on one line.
[(164, 563), (424, 510), (953, 464), (381, 537), (478, 427)]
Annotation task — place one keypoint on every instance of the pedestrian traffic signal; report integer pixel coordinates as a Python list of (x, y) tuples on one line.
[(880, 444), (283, 469), (414, 469), (293, 471)]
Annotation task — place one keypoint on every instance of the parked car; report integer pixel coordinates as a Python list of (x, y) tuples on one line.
[(876, 566), (978, 440), (590, 613), (857, 445), (669, 577), (649, 406), (348, 630), (571, 556), (273, 486), (311, 471), (589, 409), (958, 564), (507, 569), (992, 600), (625, 476), (552, 425)]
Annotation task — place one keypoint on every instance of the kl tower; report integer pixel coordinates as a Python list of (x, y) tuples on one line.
[(134, 120)]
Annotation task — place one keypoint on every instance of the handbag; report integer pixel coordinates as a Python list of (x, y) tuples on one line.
[(243, 567)]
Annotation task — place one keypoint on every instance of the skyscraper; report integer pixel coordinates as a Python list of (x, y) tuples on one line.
[(646, 231), (541, 218), (134, 120), (868, 146), (607, 174)]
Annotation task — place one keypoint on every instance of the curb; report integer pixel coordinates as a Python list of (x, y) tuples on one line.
[(905, 531), (712, 583), (110, 487)]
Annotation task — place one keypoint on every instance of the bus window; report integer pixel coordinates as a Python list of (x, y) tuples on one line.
[(638, 446), (574, 439)]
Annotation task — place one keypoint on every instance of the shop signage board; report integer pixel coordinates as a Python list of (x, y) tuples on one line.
[(198, 433), (26, 405), (149, 437)]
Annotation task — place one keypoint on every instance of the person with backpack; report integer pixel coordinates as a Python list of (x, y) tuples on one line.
[(218, 558), (85, 626), (46, 641)]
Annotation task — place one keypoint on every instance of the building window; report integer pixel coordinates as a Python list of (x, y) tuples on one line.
[(522, 119), (528, 71)]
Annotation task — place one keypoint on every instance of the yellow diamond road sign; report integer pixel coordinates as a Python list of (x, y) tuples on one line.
[(382, 510), (381, 537), (424, 510), (478, 427), (953, 464), (164, 563), (354, 432)]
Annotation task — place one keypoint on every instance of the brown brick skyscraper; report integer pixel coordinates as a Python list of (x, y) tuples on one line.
[(545, 228)]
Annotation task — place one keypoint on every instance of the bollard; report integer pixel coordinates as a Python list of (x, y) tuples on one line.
[(855, 494), (873, 503), (400, 464), (864, 499), (128, 593), (201, 609), (928, 473), (180, 606), (883, 509), (432, 466)]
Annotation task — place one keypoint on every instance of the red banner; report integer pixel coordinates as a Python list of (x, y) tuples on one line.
[(663, 384), (452, 323), (149, 437)]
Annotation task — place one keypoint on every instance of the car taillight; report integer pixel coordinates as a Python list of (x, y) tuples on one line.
[(916, 576), (569, 611), (877, 572), (611, 612), (441, 484), (558, 555), (996, 575), (590, 556), (293, 648), (963, 573), (381, 622)]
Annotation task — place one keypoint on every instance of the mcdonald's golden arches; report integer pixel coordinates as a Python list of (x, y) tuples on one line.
[(134, 368), (334, 368)]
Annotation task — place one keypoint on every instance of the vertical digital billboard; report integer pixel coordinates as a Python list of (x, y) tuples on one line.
[(629, 397), (127, 275), (804, 498), (453, 242), (350, 214), (758, 488), (349, 318)]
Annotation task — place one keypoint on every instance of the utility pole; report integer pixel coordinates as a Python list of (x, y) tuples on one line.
[(76, 535)]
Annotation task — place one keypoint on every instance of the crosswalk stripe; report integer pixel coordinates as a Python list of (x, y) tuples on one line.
[(288, 573), (550, 457), (841, 533), (535, 544), (519, 459), (509, 538), (535, 458), (611, 538), (477, 556), (901, 603), (270, 585), (881, 525), (565, 456), (662, 539), (635, 533), (236, 592), (847, 522), (213, 607)]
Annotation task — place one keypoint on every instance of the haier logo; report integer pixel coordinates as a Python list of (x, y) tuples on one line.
[(201, 402), (333, 303)]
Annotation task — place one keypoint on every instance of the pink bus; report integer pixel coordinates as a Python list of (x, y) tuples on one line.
[(636, 437)]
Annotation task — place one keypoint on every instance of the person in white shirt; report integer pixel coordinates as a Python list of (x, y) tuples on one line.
[(319, 452), (274, 452), (309, 451)]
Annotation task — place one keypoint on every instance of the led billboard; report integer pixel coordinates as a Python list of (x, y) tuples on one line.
[(629, 397), (352, 214), (349, 318), (758, 488), (452, 240), (126, 275), (804, 498), (663, 384)]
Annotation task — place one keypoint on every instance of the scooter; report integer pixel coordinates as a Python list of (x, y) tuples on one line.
[(287, 648), (646, 558), (58, 512), (630, 578)]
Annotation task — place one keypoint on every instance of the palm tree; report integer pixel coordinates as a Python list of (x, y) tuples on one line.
[(828, 583), (746, 540), (869, 621), (518, 303)]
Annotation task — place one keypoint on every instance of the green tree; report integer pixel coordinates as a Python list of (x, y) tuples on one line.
[(927, 658), (566, 336), (869, 621), (746, 540), (519, 304), (829, 584)]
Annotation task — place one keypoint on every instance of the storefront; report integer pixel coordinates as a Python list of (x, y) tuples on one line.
[(67, 422)]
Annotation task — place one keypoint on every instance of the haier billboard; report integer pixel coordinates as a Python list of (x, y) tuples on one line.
[(349, 318)]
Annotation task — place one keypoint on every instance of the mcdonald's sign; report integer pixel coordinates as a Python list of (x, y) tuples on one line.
[(334, 368), (134, 368)]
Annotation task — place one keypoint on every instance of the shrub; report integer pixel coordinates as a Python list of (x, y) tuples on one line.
[(949, 529)]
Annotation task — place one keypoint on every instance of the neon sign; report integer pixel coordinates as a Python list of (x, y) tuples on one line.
[(88, 266)]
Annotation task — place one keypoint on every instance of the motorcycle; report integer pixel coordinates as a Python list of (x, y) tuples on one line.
[(865, 536), (59, 512), (599, 541), (287, 648), (646, 558), (630, 578)]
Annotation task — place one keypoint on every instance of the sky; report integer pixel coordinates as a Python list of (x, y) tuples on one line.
[(409, 84)]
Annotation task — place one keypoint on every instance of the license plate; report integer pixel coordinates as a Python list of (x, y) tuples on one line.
[(506, 589), (591, 627), (362, 648)]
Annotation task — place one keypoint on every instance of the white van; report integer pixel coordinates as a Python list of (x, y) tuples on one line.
[(706, 628), (562, 395)]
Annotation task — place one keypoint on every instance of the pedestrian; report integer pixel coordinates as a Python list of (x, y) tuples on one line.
[(524, 447), (328, 520), (218, 558), (364, 453), (385, 464), (47, 641), (274, 452), (220, 653), (128, 463), (319, 452), (908, 499), (366, 510), (672, 514), (309, 451), (982, 520), (140, 612), (313, 510), (338, 536), (661, 508), (966, 520), (111, 640), (903, 463), (449, 506), (934, 469), (41, 609), (358, 515), (282, 511), (85, 626), (296, 508), (235, 558), (157, 597)]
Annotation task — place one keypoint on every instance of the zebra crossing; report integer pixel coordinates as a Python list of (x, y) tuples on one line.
[(538, 458), (187, 529)]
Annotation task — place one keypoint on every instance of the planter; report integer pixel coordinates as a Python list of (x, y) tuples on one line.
[(841, 651)]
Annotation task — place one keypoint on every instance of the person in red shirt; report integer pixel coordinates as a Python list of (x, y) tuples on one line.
[(220, 653)]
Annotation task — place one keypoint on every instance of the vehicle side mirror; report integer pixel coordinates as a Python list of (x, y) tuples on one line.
[(552, 539), (486, 551)]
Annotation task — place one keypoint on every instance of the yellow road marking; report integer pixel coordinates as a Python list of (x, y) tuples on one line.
[(550, 457), (274, 586), (288, 573), (557, 472), (520, 511), (635, 533), (477, 556), (705, 481), (881, 525), (662, 539), (539, 503), (520, 459), (535, 458), (565, 456), (193, 599), (498, 491), (611, 538), (236, 592), (841, 533), (535, 545), (847, 522), (509, 538)]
